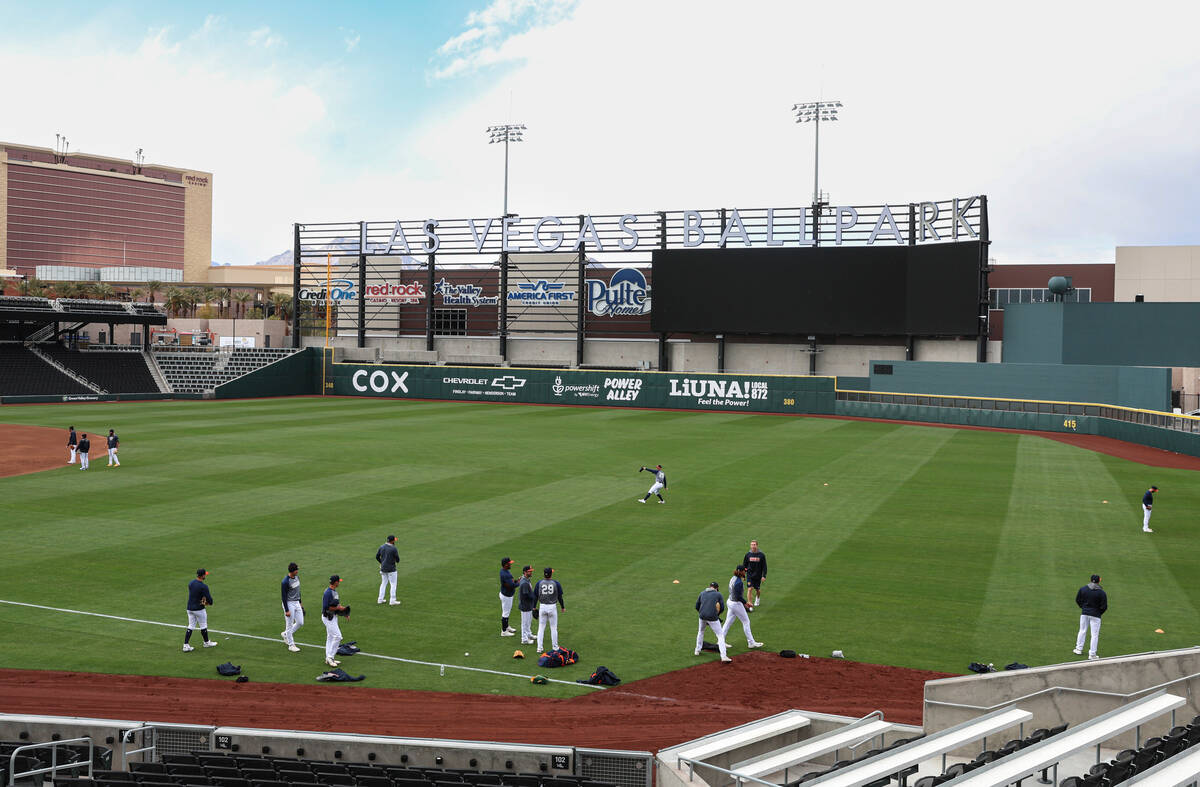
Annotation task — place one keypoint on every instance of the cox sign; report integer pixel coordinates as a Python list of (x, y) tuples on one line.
[(379, 381)]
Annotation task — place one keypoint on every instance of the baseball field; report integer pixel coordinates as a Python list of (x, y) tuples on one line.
[(898, 544)]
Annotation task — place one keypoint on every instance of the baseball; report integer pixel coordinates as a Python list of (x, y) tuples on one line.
[(466, 654)]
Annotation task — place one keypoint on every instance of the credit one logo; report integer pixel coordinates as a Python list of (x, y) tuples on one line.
[(625, 294)]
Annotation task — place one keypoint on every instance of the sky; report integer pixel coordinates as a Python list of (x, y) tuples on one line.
[(1078, 120)]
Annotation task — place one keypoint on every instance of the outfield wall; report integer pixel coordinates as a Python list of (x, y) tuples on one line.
[(293, 375), (1141, 387), (667, 390)]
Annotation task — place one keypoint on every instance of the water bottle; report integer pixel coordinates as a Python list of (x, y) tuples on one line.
[(442, 670)]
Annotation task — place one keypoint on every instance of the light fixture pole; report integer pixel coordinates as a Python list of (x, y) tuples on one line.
[(507, 133), (815, 112)]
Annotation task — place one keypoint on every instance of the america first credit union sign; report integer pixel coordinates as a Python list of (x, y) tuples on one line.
[(908, 223)]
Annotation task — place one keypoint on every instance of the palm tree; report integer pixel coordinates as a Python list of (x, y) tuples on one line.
[(283, 305), (193, 295), (242, 297), (152, 288), (208, 295), (135, 294), (176, 301), (105, 291), (32, 287), (83, 290)]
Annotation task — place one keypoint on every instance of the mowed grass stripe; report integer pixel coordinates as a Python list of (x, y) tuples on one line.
[(921, 540)]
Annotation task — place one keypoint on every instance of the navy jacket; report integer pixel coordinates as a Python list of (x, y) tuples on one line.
[(526, 597), (507, 585), (1148, 498), (198, 590), (709, 604), (388, 556), (1092, 600)]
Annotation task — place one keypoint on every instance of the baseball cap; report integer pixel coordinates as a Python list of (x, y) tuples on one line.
[(713, 585), (201, 572), (1155, 488), (738, 567), (547, 571), (659, 467), (293, 567), (506, 561), (391, 538), (526, 568), (334, 578), (1095, 577)]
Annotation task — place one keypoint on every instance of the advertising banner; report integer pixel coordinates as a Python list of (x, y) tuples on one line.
[(668, 390)]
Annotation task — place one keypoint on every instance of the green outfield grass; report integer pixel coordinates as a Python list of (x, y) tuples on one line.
[(906, 545)]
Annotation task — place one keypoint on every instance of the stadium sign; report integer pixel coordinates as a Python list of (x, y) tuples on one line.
[(343, 290), (960, 218), (541, 293), (463, 294), (625, 294)]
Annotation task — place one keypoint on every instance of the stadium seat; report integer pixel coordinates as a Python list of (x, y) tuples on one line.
[(373, 781)]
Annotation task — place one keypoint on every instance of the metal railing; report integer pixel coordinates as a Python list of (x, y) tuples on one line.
[(738, 778), (54, 766), (1179, 423)]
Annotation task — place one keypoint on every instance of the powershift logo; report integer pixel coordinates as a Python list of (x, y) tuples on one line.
[(577, 391)]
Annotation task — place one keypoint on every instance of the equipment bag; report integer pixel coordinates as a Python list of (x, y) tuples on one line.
[(603, 676), (337, 675), (560, 657), (229, 668)]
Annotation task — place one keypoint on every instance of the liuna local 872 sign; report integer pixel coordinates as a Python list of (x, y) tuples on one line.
[(905, 223)]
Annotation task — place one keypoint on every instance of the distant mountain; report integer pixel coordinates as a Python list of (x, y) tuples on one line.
[(282, 258)]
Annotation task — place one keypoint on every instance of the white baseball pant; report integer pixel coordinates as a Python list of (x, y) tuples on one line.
[(1086, 622), (505, 605), (71, 461), (655, 488), (715, 625), (547, 617), (333, 636), (738, 610), (1146, 517), (527, 626), (83, 461), (292, 622), (197, 618), (387, 578), (112, 458)]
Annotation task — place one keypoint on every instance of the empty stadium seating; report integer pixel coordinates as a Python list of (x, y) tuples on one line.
[(76, 305), (115, 372), (225, 769), (199, 371), (25, 303), (25, 374), (42, 757)]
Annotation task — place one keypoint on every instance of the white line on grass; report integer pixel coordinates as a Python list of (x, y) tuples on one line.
[(301, 644)]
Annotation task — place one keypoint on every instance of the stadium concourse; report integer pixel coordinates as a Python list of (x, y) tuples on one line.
[(648, 715)]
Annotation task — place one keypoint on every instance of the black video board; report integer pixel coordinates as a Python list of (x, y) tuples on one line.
[(930, 290)]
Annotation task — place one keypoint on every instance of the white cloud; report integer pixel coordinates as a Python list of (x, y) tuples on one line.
[(264, 37), (465, 38), (350, 38)]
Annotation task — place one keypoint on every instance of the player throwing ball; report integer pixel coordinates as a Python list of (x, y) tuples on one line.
[(660, 483)]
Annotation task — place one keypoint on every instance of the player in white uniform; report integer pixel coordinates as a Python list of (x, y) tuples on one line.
[(113, 443), (293, 610), (660, 483), (331, 604), (550, 597), (737, 606)]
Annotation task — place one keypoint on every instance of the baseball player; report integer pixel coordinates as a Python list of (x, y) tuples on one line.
[(525, 600), (199, 599), (84, 446), (709, 606), (1147, 504), (114, 442), (756, 572), (550, 597), (660, 483), (738, 607), (293, 610), (508, 587), (1092, 602), (331, 604), (388, 556), (72, 441)]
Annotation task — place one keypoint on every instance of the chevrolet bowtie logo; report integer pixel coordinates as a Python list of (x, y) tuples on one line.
[(508, 382)]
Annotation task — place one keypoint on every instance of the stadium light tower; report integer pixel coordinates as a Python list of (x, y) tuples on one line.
[(815, 112), (507, 133)]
